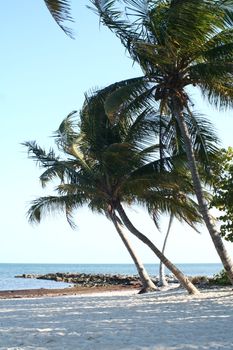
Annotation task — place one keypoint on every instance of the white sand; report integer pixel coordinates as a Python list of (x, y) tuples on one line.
[(169, 320)]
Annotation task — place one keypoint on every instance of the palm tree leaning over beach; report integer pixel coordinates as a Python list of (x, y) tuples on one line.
[(176, 202), (178, 44), (81, 180), (79, 185), (172, 195), (105, 169)]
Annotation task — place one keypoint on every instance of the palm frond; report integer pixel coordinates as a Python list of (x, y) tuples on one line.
[(61, 12), (173, 202), (50, 205), (61, 170), (219, 94), (204, 137), (219, 47), (128, 99), (156, 216), (227, 7), (39, 155), (111, 17), (66, 134)]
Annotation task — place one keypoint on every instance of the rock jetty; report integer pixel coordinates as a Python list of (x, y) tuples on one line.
[(102, 280), (87, 280), (93, 280)]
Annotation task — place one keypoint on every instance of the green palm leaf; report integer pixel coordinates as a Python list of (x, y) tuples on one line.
[(61, 12), (50, 204), (117, 162)]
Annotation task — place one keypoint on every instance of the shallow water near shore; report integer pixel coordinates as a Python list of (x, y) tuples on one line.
[(9, 271)]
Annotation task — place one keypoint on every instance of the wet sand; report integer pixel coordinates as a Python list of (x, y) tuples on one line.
[(43, 292)]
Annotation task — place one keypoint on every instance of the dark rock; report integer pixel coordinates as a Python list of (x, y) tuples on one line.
[(89, 280)]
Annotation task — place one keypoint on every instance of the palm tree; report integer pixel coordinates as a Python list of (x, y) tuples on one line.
[(104, 169), (178, 44), (83, 182), (80, 184), (61, 12), (162, 278), (147, 284), (177, 273), (96, 133)]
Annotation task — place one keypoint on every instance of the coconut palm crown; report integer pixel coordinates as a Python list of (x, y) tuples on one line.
[(109, 163)]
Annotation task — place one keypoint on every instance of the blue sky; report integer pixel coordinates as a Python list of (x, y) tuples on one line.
[(44, 76)]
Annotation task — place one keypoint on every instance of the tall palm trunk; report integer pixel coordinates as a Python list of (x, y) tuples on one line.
[(178, 274), (162, 278), (216, 238), (147, 284)]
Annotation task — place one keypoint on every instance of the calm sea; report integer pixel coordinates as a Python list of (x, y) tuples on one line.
[(9, 271)]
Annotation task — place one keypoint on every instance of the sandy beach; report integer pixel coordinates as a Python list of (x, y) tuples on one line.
[(119, 320), (43, 292)]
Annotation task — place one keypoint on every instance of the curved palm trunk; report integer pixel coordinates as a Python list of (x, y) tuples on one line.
[(216, 238), (177, 273), (147, 284), (162, 278)]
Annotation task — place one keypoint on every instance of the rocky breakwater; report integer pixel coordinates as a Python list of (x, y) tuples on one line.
[(87, 280)]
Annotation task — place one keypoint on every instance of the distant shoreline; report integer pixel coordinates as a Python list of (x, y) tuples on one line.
[(96, 283), (9, 271)]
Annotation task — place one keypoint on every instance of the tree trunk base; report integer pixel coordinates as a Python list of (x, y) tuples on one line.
[(163, 284), (148, 290)]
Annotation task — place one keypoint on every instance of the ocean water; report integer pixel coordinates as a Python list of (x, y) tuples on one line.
[(9, 271)]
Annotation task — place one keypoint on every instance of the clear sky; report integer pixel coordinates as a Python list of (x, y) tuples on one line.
[(43, 77)]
